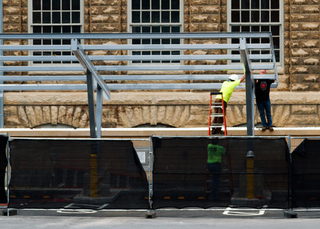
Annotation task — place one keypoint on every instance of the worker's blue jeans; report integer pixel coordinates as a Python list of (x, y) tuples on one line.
[(264, 108), (214, 169)]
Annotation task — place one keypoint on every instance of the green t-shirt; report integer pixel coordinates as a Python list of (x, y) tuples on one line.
[(214, 153), (227, 89)]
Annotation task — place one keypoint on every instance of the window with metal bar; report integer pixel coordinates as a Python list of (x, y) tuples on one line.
[(155, 16), (257, 16), (54, 16)]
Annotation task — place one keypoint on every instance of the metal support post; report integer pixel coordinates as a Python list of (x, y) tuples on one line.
[(91, 105), (249, 86), (8, 175), (150, 213), (1, 64), (99, 111), (289, 213), (250, 175)]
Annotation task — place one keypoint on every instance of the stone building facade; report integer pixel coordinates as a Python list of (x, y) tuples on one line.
[(296, 101)]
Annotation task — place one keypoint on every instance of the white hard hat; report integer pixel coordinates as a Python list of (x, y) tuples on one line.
[(234, 77)]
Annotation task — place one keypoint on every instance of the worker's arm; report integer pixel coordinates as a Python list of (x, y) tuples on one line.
[(242, 78)]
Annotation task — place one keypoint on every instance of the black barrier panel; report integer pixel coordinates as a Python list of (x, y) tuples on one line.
[(306, 174), (3, 165), (74, 174), (183, 178)]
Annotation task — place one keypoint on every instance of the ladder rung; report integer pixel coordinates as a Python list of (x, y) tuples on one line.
[(216, 107), (216, 115), (217, 125)]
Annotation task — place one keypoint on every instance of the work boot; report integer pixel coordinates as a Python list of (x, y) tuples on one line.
[(271, 128), (264, 128)]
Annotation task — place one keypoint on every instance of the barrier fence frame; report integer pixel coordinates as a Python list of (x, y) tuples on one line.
[(151, 160), (71, 139), (291, 200)]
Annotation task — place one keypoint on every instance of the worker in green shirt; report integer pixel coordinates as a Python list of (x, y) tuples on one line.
[(226, 89), (215, 152)]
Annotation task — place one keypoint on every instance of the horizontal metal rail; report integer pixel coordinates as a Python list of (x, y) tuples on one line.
[(128, 77), (129, 47), (136, 35), (58, 87), (136, 68), (135, 57)]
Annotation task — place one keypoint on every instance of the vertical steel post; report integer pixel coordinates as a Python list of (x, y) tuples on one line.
[(250, 175), (1, 64), (91, 105), (150, 172), (99, 111), (249, 87), (8, 175)]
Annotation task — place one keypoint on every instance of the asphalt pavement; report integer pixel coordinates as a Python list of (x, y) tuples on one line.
[(226, 218)]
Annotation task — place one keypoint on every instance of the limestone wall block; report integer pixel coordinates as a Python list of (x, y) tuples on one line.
[(76, 117), (111, 10), (183, 117), (138, 119), (11, 121), (38, 115), (100, 18), (311, 61), (299, 70), (11, 28), (303, 120), (145, 113), (312, 78), (10, 110), (199, 18), (283, 87), (310, 9), (295, 26), (124, 121), (315, 87), (10, 10), (310, 44), (199, 2), (153, 115), (299, 87), (295, 44), (209, 27), (299, 1), (84, 120), (46, 115), (299, 35), (62, 115), (161, 114), (177, 114), (23, 116), (299, 52), (303, 109), (169, 115), (299, 17), (280, 115), (315, 52), (310, 26), (31, 116), (69, 116), (54, 115), (98, 2), (113, 19), (209, 10), (130, 115), (197, 120)]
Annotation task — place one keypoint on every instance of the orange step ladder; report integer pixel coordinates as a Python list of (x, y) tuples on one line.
[(217, 107)]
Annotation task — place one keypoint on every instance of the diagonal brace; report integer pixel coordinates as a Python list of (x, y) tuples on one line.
[(89, 66)]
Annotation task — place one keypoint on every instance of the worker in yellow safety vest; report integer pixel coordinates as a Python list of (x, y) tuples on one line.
[(215, 153), (226, 89)]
